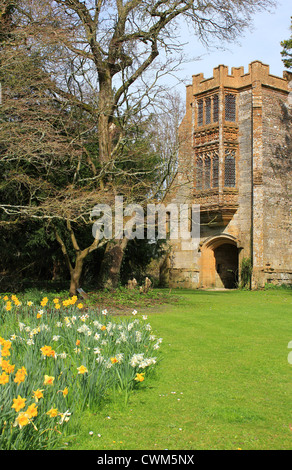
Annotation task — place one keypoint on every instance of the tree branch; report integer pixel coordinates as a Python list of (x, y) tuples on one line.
[(64, 249)]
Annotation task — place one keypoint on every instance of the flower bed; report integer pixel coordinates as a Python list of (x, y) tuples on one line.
[(58, 358)]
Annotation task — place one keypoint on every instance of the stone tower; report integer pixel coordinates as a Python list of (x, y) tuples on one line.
[(235, 162)]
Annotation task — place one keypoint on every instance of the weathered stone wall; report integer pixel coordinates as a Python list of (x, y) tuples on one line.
[(240, 225), (277, 177)]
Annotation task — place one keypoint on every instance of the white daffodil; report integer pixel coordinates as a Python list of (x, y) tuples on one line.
[(138, 335)]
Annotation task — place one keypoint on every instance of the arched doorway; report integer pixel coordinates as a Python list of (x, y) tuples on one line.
[(226, 262), (219, 262)]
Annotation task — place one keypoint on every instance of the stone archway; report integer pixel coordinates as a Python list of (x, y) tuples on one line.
[(226, 264), (219, 262)]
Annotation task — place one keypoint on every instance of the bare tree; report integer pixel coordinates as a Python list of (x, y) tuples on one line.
[(116, 42), (83, 69)]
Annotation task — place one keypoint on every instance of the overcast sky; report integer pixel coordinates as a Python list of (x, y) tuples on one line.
[(262, 43)]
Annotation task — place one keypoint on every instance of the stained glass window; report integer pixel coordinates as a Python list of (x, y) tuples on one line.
[(230, 108), (230, 169)]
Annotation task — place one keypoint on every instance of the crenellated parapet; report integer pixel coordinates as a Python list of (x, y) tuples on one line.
[(238, 79)]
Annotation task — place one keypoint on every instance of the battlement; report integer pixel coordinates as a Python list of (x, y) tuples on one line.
[(238, 79)]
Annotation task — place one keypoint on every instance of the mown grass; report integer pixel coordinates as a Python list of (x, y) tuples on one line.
[(224, 382)]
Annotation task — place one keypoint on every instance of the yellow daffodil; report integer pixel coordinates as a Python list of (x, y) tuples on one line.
[(38, 394), (22, 420), (20, 375), (18, 403), (5, 346), (49, 380), (48, 351), (80, 306), (4, 378), (140, 377), (6, 366), (82, 370), (114, 360), (64, 392), (15, 300), (19, 378), (5, 351), (52, 412), (10, 368), (32, 411)]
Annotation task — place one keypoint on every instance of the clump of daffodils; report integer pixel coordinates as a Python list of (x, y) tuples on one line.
[(60, 356)]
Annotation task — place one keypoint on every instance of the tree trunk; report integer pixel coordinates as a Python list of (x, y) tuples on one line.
[(109, 274), (104, 139), (105, 108), (164, 271), (76, 271), (75, 274)]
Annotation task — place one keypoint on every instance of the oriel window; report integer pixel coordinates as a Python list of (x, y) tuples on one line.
[(199, 173), (207, 176), (230, 107), (200, 112), (230, 169), (215, 108), (215, 172), (208, 110)]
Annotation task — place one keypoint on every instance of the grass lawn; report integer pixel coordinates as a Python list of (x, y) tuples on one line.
[(224, 382)]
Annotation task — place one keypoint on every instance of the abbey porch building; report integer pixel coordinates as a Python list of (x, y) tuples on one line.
[(235, 162)]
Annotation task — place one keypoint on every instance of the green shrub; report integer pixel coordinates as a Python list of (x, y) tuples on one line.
[(245, 273)]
